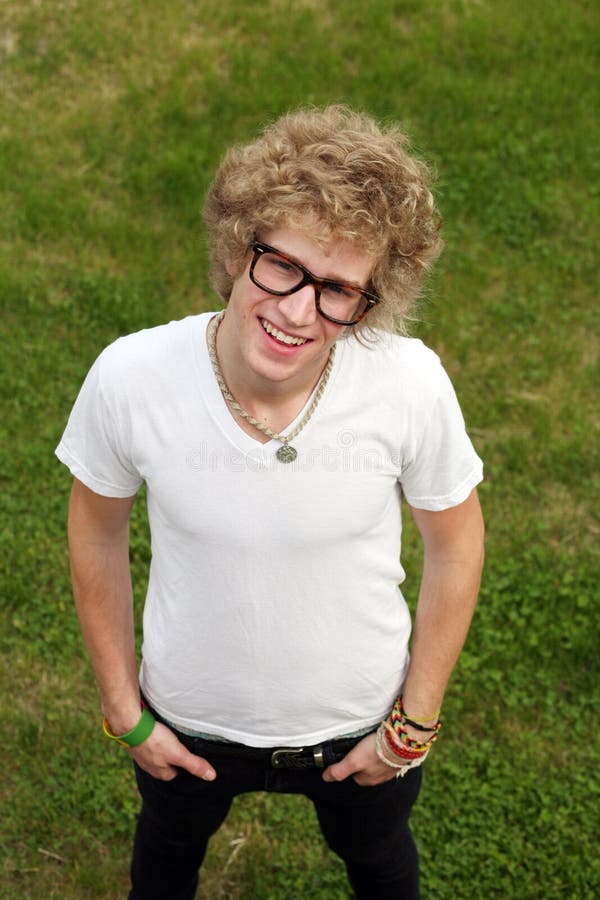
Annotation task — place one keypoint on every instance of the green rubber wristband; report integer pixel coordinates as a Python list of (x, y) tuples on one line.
[(138, 733)]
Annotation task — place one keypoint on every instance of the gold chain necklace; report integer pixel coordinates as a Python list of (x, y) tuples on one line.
[(286, 453)]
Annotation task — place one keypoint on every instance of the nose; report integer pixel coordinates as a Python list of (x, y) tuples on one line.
[(300, 307)]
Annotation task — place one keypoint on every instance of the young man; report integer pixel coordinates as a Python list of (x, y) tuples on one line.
[(277, 441)]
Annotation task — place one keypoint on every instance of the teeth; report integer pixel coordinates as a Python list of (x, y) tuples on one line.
[(280, 335)]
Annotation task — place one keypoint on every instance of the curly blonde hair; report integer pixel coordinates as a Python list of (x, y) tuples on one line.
[(333, 173)]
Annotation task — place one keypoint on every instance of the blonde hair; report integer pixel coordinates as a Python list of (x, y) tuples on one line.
[(333, 173)]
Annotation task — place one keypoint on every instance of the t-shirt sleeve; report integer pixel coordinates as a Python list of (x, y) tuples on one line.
[(96, 441), (444, 467)]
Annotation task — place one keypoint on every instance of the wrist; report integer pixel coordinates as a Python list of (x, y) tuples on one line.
[(122, 714), (421, 713), (136, 735), (410, 733), (422, 733), (393, 755)]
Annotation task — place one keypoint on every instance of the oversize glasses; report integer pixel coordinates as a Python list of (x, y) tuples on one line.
[(276, 273)]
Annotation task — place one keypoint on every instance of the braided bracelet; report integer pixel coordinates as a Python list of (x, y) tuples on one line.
[(398, 721), (419, 725), (402, 768), (380, 752), (398, 712), (409, 742), (402, 736), (396, 747)]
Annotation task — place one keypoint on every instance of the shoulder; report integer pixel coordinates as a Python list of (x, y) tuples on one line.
[(150, 346), (393, 362), (150, 356)]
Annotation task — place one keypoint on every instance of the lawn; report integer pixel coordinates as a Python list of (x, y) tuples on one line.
[(113, 117)]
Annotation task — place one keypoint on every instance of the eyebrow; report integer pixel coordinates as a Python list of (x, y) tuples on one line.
[(333, 278)]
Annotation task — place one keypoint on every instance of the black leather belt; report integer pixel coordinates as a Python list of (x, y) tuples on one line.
[(318, 756)]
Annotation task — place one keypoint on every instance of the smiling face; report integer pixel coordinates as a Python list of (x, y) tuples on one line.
[(273, 345)]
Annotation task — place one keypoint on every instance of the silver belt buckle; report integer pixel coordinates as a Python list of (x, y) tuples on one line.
[(277, 761), (319, 758), (276, 755)]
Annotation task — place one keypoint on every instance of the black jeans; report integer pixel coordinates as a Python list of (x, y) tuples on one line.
[(366, 826)]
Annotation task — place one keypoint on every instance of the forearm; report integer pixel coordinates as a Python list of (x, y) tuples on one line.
[(447, 597), (99, 548), (445, 609), (103, 598)]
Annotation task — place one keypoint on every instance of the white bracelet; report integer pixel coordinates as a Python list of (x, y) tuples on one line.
[(411, 765), (379, 737), (403, 767)]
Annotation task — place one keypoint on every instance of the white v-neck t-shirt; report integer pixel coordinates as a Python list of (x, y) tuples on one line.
[(273, 613)]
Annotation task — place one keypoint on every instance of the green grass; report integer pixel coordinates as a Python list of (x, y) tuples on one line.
[(112, 119)]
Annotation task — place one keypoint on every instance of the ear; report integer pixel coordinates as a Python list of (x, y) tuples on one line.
[(231, 269)]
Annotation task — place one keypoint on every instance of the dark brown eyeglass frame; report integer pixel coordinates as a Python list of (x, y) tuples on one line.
[(259, 248)]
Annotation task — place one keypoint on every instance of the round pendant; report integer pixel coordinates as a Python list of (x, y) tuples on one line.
[(286, 454)]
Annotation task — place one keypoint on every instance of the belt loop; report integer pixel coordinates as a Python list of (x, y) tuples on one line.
[(318, 756)]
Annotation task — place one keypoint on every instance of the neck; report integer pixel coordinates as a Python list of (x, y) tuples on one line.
[(269, 413), (258, 394)]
